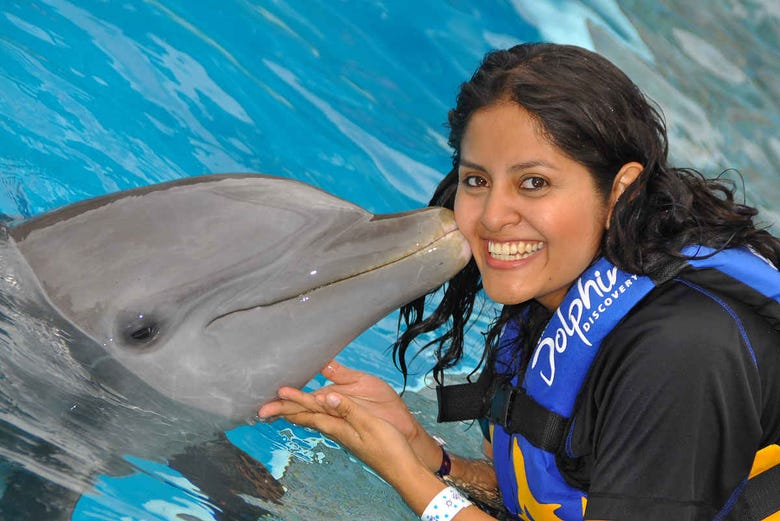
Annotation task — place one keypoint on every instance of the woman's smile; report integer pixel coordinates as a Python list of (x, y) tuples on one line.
[(508, 251)]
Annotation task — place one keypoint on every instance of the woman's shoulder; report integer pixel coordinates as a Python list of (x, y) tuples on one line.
[(682, 320), (680, 341), (675, 382)]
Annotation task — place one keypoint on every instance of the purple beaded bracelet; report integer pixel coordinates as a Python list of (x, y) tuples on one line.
[(446, 464)]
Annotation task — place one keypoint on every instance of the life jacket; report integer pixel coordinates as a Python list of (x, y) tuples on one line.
[(530, 421)]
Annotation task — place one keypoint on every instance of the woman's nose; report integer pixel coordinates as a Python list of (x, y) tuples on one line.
[(501, 209)]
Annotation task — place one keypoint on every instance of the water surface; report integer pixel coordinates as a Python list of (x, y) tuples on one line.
[(352, 97)]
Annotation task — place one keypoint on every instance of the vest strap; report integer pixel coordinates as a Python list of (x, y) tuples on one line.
[(469, 401), (761, 493), (461, 402), (513, 408), (510, 407)]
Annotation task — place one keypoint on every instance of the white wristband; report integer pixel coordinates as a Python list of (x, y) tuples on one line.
[(445, 505)]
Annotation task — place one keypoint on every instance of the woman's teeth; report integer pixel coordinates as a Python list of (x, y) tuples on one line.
[(510, 251)]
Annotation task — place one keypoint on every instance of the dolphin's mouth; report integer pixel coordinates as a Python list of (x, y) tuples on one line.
[(450, 232)]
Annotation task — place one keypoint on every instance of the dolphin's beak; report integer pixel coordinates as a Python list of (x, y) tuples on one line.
[(357, 250)]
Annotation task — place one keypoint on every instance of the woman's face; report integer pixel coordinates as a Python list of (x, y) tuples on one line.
[(532, 215)]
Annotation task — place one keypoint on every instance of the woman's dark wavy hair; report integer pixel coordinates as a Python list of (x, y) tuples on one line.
[(590, 110)]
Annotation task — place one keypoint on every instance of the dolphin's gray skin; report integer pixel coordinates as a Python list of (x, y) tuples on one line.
[(179, 308)]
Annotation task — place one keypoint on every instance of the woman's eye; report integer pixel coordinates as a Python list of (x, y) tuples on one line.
[(474, 181), (533, 183)]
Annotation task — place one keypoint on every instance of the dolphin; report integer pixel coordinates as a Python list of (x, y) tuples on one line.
[(178, 308)]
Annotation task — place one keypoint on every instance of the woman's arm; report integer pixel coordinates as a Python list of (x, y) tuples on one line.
[(477, 478)]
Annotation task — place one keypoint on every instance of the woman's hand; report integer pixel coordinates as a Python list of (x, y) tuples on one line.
[(369, 437), (367, 391), (366, 416)]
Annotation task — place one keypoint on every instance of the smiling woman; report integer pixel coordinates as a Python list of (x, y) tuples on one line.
[(640, 319)]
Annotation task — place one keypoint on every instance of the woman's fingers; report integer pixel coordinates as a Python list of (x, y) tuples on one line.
[(328, 415), (340, 374), (359, 418), (358, 385), (374, 397), (374, 441), (350, 424), (291, 401), (334, 404)]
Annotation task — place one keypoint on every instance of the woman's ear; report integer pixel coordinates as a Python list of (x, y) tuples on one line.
[(625, 176)]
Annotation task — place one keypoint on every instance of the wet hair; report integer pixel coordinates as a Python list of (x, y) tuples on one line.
[(592, 112)]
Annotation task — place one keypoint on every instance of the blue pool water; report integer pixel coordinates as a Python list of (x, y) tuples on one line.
[(350, 96)]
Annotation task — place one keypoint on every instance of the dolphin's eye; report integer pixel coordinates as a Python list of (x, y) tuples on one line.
[(141, 330), (145, 334)]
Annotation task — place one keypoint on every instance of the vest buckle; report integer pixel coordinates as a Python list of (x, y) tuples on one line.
[(501, 406)]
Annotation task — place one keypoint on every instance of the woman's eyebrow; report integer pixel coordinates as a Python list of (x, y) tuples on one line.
[(523, 165), (533, 163), (470, 164)]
